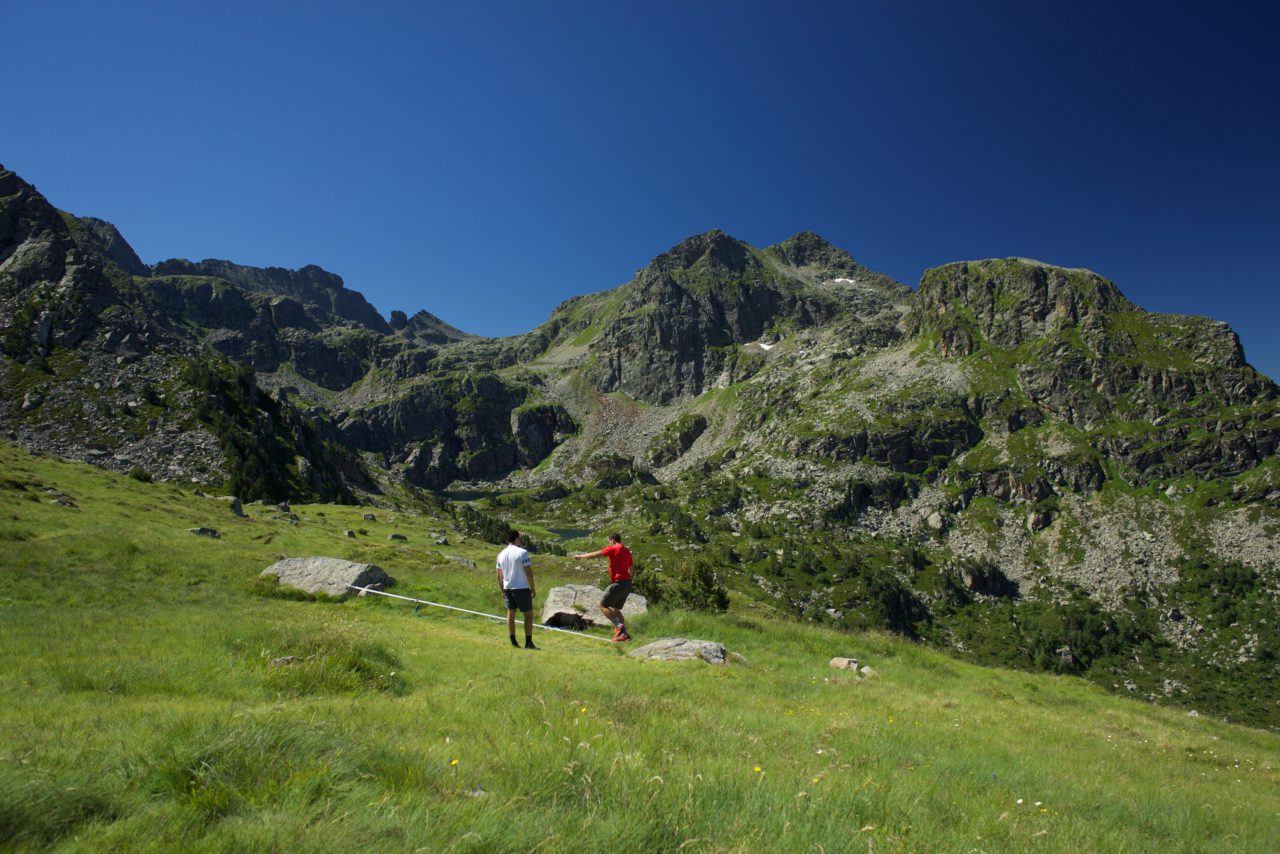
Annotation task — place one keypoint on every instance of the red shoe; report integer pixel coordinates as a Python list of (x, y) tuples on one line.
[(620, 636)]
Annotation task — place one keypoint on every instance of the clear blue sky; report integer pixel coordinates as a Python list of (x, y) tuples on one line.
[(486, 160)]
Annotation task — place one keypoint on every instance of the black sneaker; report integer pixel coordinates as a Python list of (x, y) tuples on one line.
[(528, 644), (513, 641)]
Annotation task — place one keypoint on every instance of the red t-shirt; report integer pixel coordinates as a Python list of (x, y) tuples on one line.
[(619, 561)]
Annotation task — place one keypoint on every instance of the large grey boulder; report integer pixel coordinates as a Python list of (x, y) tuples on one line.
[(328, 575), (573, 604), (683, 649)]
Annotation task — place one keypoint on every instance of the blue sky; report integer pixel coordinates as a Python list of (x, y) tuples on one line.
[(487, 160)]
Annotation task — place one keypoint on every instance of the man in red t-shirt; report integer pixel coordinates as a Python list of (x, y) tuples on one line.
[(615, 596)]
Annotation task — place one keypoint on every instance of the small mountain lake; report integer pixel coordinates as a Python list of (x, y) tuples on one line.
[(470, 494), (570, 533)]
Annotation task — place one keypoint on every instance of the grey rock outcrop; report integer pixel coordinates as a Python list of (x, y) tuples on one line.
[(328, 575), (683, 649), (579, 600)]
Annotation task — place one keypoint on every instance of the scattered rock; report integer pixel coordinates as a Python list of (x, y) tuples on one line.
[(867, 672), (32, 400), (396, 537), (465, 561), (1039, 520), (351, 535), (283, 507), (575, 600), (683, 649), (442, 541), (206, 532), (328, 575), (845, 663), (369, 517), (935, 521), (236, 507)]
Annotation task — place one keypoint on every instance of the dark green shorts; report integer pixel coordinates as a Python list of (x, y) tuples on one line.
[(616, 594)]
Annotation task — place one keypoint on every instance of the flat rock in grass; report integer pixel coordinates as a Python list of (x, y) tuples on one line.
[(328, 575), (567, 605), (683, 649), (205, 532)]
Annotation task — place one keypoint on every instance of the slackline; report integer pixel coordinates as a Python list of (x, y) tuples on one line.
[(476, 613)]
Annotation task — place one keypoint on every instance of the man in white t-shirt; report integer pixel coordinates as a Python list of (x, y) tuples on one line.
[(515, 579)]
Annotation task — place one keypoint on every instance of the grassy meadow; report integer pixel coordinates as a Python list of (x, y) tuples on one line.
[(142, 711)]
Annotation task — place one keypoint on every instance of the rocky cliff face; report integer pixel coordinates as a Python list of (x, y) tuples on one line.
[(94, 360), (1067, 345), (680, 325), (318, 290)]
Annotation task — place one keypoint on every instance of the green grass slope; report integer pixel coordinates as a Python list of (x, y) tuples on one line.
[(142, 710)]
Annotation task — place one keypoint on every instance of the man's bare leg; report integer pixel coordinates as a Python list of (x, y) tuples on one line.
[(528, 628), (615, 617)]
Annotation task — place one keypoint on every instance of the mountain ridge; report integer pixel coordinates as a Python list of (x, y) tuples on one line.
[(836, 445)]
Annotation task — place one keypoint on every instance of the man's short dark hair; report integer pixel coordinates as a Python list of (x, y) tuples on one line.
[(616, 537), (513, 536)]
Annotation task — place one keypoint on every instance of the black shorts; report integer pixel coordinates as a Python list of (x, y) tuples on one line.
[(519, 599), (615, 595)]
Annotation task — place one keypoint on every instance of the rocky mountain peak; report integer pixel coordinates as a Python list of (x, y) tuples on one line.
[(101, 240), (713, 251), (425, 328), (807, 249)]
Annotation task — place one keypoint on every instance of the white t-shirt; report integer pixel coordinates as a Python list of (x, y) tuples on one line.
[(512, 560)]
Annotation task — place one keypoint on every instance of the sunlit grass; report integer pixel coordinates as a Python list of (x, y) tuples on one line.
[(155, 698)]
